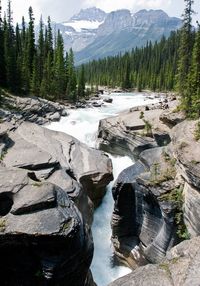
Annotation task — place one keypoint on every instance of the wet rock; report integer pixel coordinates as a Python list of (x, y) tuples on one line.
[(55, 117), (108, 100)]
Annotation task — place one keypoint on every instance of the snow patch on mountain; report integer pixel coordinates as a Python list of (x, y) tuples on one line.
[(81, 25)]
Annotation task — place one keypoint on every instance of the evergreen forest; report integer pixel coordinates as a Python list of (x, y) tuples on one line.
[(173, 64), (41, 67), (37, 67)]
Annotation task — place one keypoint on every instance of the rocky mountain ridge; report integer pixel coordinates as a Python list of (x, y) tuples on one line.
[(92, 33)]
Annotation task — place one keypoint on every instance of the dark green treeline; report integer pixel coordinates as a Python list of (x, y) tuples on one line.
[(171, 64), (188, 73), (151, 67), (39, 67)]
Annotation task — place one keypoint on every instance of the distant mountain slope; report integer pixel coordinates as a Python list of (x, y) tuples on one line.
[(93, 34), (121, 31)]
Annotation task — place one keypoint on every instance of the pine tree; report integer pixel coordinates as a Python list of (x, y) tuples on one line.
[(59, 81), (71, 85), (49, 39), (35, 79), (19, 58), (9, 49), (2, 56), (30, 41), (81, 82), (126, 83), (194, 76), (25, 73), (41, 49), (185, 56), (46, 90)]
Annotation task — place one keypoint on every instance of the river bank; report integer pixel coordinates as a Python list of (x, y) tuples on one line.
[(46, 192), (49, 162)]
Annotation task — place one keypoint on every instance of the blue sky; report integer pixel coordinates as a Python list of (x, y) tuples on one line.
[(62, 10)]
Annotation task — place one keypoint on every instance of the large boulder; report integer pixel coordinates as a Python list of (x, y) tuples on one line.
[(132, 132), (148, 200), (117, 138), (39, 150), (186, 148), (43, 239), (49, 184), (180, 268), (187, 151)]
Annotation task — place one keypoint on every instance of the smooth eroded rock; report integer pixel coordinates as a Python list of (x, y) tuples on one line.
[(43, 238), (180, 268)]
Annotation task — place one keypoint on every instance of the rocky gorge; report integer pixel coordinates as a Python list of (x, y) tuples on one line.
[(156, 199), (49, 185)]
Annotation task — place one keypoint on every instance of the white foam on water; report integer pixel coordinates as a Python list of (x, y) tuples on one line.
[(83, 124), (102, 267)]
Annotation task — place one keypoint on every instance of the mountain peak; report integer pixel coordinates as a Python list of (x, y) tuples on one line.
[(90, 14), (151, 13)]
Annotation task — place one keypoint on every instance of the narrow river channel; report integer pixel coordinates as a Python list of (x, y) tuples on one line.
[(83, 124)]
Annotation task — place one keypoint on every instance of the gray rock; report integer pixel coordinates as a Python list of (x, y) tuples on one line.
[(32, 109), (115, 137), (40, 222), (108, 100), (33, 197), (187, 151), (192, 209), (149, 275), (41, 172), (130, 134), (75, 192), (55, 117), (180, 268), (12, 180), (143, 221), (172, 118), (43, 152), (92, 168)]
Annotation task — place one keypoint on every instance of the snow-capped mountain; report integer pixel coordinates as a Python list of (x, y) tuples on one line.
[(123, 30), (81, 29), (92, 33)]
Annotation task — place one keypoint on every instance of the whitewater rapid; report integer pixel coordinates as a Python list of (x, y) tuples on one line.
[(83, 124)]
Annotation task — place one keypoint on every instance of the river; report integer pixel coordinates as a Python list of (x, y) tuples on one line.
[(83, 124)]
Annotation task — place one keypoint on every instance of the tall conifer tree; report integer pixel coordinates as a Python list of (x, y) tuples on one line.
[(185, 55), (2, 56), (10, 50), (81, 82)]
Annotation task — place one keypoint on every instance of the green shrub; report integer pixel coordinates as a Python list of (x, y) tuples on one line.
[(197, 131)]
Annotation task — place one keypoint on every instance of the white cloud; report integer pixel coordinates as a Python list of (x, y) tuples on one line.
[(133, 5), (62, 10), (20, 8)]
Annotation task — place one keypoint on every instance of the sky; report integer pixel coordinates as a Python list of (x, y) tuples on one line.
[(62, 10)]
